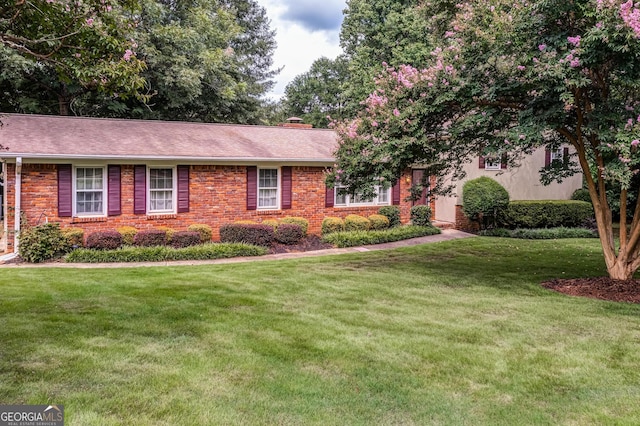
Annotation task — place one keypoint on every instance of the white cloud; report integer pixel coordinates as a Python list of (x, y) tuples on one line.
[(299, 44)]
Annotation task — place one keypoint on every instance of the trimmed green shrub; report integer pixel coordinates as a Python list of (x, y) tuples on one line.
[(42, 242), (182, 239), (74, 236), (355, 222), (545, 214), (289, 233), (332, 224), (301, 221), (256, 234), (378, 221), (495, 232), (360, 238), (168, 232), (204, 231), (552, 233), (128, 234), (483, 199), (581, 194), (421, 215), (163, 253), (104, 240), (150, 237), (272, 223), (392, 213)]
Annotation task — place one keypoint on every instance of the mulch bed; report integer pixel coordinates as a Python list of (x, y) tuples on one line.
[(603, 288)]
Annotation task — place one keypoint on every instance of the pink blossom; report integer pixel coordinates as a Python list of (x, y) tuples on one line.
[(575, 63), (574, 40), (396, 112), (521, 67), (635, 142), (599, 25), (90, 21), (542, 47), (374, 123), (127, 55)]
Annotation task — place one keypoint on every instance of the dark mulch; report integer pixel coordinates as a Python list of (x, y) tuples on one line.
[(310, 243), (603, 288)]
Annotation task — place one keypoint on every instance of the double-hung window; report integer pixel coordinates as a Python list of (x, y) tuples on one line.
[(556, 154), (268, 188), (89, 191), (162, 193), (381, 198), (492, 163)]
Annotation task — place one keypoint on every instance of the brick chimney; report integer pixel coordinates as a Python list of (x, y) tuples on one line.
[(295, 122)]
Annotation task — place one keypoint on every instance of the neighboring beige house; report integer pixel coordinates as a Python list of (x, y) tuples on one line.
[(522, 183)]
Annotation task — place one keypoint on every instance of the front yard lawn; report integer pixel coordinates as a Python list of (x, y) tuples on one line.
[(458, 332)]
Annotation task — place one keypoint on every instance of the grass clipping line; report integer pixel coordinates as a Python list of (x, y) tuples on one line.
[(162, 253)]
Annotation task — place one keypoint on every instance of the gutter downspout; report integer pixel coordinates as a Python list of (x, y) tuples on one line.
[(17, 205)]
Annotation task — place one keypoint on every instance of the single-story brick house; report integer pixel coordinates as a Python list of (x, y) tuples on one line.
[(100, 174)]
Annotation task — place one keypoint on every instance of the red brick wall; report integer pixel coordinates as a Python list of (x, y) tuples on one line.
[(217, 196), (464, 223)]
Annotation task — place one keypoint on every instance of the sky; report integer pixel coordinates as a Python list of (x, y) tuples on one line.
[(305, 31)]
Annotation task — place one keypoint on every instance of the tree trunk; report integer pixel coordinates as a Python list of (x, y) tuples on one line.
[(620, 270), (64, 104)]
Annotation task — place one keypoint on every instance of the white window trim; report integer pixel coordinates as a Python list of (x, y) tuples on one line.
[(374, 202), (497, 165), (278, 189), (74, 195), (174, 190), (557, 154)]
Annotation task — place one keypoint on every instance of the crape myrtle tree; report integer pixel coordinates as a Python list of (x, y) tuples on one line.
[(510, 77), (66, 47)]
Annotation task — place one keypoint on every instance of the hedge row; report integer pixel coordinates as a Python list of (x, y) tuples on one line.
[(541, 233), (160, 253), (359, 238), (545, 214), (261, 234)]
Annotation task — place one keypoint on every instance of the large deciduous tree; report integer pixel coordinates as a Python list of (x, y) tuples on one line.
[(512, 76), (62, 47)]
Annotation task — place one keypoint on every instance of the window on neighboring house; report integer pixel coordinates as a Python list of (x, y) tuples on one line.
[(162, 190), (492, 163), (89, 191), (381, 198), (557, 154), (268, 188)]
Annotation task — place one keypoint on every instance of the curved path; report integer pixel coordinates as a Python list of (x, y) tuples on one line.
[(447, 234)]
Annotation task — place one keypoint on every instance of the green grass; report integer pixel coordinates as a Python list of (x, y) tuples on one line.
[(450, 333)]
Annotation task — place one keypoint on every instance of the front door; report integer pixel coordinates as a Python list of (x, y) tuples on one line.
[(418, 178)]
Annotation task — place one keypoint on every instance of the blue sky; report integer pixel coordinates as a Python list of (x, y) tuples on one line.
[(305, 31)]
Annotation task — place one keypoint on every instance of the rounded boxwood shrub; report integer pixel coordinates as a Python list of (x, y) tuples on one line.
[(74, 236), (128, 234), (248, 233), (331, 225), (150, 237), (289, 233), (300, 221), (392, 213), (421, 215), (272, 223), (379, 221), (42, 242), (104, 240), (483, 199), (202, 229), (581, 194), (168, 231), (182, 239), (355, 222)]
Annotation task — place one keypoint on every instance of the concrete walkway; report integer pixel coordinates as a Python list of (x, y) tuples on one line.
[(447, 234)]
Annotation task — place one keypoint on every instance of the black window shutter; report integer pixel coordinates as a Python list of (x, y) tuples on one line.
[(252, 188), (183, 189), (114, 191), (65, 195), (286, 187), (395, 193), (139, 189)]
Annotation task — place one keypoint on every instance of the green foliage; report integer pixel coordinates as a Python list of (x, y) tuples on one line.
[(302, 222), (289, 233), (168, 232), (540, 233), (392, 213), (332, 224), (581, 194), (545, 214), (272, 223), (104, 240), (483, 198), (42, 242), (255, 234), (74, 236), (150, 238), (203, 230), (128, 234), (354, 222), (378, 221), (182, 239), (360, 238), (163, 253), (421, 215)]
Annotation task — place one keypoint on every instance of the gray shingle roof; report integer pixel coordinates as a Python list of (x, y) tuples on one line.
[(56, 137)]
